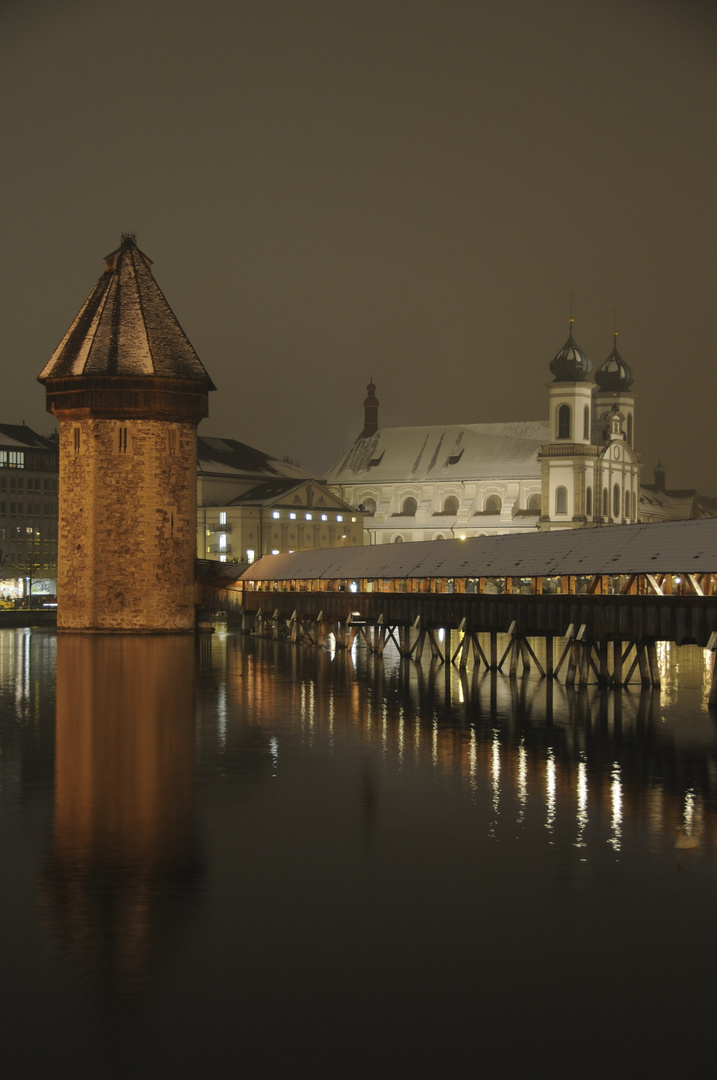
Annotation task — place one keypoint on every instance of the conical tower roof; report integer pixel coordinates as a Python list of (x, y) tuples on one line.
[(126, 329)]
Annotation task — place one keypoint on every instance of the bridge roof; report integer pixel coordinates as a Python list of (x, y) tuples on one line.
[(655, 548)]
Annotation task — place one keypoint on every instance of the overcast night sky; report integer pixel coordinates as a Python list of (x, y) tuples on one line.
[(406, 189)]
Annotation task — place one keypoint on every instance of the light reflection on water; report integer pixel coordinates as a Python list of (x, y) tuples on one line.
[(227, 838)]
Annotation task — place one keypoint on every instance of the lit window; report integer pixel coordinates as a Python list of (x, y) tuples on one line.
[(353, 519), (292, 516), (339, 517), (276, 514), (222, 541), (275, 551), (222, 517), (250, 555), (222, 558), (309, 517), (324, 517)]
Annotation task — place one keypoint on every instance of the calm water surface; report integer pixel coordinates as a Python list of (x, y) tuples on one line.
[(238, 855)]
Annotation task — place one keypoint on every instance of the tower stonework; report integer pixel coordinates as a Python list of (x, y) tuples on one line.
[(128, 391)]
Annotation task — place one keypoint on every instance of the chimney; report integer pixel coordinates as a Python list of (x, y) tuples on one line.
[(370, 412)]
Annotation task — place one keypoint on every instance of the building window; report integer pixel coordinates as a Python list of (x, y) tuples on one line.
[(450, 506), (586, 424), (276, 514), (561, 500), (589, 502), (398, 539), (616, 501), (76, 439), (222, 517), (324, 517), (172, 440), (309, 517), (292, 516), (629, 428), (409, 507), (604, 503), (222, 541), (339, 517), (534, 502), (250, 555), (122, 439), (12, 459), (627, 504), (564, 422), (493, 504), (369, 506)]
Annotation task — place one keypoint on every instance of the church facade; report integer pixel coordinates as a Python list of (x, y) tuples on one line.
[(576, 468)]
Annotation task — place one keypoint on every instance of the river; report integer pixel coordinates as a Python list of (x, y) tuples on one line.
[(228, 853)]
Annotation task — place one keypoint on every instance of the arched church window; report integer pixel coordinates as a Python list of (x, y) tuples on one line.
[(534, 502), (586, 424), (634, 506), (629, 428), (369, 506), (604, 503), (493, 504), (616, 501), (588, 502), (450, 505), (409, 507), (398, 539), (564, 422), (627, 504), (561, 500)]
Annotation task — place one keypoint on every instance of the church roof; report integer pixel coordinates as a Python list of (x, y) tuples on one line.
[(443, 452), (229, 457), (614, 374), (126, 328), (21, 435), (570, 364)]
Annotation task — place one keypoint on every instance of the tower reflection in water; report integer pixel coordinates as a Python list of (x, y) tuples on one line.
[(123, 866)]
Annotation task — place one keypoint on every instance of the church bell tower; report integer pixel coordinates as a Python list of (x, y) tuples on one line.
[(128, 391)]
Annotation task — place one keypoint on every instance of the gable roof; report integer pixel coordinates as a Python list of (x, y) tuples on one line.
[(126, 328), (443, 452), (23, 436), (663, 547)]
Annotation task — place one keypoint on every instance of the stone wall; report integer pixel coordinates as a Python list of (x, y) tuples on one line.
[(127, 534)]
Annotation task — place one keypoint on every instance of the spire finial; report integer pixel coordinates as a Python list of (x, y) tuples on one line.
[(571, 320)]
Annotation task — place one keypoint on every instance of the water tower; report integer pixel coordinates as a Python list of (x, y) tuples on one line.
[(128, 391)]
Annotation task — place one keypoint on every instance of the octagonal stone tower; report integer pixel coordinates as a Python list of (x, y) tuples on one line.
[(128, 391)]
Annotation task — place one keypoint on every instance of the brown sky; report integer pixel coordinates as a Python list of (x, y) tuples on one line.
[(408, 189)]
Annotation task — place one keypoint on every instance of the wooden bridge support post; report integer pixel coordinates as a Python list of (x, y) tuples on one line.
[(653, 664), (549, 657), (712, 646)]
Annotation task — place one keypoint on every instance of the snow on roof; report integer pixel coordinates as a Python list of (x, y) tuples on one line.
[(228, 457), (664, 547), (126, 328), (21, 435), (443, 452)]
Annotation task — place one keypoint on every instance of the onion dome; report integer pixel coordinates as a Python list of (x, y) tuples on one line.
[(571, 364), (614, 375)]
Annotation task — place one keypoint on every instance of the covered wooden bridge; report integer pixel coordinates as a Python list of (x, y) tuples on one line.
[(605, 596)]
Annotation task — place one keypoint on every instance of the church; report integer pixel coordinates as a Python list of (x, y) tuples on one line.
[(576, 468)]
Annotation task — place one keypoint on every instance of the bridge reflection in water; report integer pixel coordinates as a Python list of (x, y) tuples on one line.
[(641, 752)]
